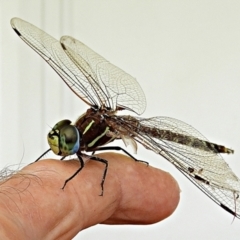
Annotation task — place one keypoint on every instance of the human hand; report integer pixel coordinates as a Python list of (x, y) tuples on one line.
[(33, 205)]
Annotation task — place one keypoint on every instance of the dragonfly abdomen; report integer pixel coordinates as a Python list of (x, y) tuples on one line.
[(190, 141), (174, 134)]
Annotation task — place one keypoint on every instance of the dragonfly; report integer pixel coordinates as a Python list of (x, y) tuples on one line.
[(108, 90)]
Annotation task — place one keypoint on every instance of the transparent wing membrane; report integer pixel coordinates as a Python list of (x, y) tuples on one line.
[(114, 86), (191, 153), (91, 77)]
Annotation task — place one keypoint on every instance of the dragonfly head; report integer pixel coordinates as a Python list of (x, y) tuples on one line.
[(64, 138)]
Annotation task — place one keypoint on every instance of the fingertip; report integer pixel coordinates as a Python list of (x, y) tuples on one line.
[(148, 194)]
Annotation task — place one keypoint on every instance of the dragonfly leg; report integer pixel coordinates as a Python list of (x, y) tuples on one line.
[(117, 148), (81, 167), (43, 154), (94, 158)]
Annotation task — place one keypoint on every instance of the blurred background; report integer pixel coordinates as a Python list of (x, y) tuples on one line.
[(185, 55)]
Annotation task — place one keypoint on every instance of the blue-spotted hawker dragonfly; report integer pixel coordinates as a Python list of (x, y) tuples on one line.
[(108, 89)]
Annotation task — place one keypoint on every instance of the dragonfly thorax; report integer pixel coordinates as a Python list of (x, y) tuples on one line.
[(94, 129)]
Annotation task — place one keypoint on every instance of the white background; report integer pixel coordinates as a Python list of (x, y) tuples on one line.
[(185, 55)]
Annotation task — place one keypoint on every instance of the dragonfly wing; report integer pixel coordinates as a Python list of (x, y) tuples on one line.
[(115, 88), (204, 167), (51, 51)]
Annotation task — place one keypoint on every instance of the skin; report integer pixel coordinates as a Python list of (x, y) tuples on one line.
[(33, 205)]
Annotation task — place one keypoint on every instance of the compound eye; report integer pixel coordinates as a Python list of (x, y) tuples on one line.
[(69, 140), (64, 138)]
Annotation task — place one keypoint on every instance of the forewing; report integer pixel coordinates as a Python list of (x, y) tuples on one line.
[(204, 167), (114, 88), (51, 51)]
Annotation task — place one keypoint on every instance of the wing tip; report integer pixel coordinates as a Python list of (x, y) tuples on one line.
[(13, 22)]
